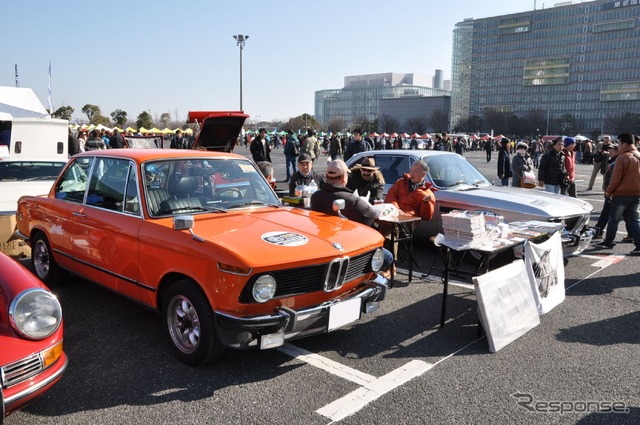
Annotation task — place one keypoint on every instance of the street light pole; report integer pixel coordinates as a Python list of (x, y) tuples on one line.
[(240, 39)]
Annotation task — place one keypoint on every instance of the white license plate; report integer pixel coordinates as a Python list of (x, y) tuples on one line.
[(344, 313)]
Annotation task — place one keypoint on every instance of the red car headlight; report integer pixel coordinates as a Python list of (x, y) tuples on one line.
[(35, 314)]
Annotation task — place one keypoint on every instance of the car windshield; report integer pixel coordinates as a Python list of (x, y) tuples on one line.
[(29, 170), (452, 171), (206, 185)]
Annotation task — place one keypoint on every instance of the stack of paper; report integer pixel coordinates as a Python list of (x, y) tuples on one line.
[(463, 226)]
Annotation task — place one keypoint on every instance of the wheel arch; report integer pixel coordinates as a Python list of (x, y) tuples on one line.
[(169, 279)]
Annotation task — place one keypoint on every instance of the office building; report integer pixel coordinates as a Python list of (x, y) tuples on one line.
[(361, 95), (571, 62)]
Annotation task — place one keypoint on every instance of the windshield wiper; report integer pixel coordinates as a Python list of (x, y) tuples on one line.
[(195, 208), (246, 204)]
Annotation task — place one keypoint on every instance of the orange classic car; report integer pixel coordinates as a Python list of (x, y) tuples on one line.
[(200, 236)]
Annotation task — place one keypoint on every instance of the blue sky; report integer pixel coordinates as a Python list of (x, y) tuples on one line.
[(175, 56)]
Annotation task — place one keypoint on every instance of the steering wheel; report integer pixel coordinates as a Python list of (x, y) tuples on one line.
[(230, 192)]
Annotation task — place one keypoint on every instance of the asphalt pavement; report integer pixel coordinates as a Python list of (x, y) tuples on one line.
[(396, 366)]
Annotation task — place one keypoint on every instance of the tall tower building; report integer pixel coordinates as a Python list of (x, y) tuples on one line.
[(577, 63)]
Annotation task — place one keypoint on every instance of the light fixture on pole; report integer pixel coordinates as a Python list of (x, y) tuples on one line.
[(240, 39)]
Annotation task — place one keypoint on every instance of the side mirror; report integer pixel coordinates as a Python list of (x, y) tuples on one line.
[(186, 222), (183, 222), (338, 205)]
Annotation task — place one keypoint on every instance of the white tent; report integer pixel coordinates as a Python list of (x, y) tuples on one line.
[(20, 103)]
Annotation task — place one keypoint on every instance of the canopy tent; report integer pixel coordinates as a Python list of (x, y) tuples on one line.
[(374, 134), (21, 103), (426, 136), (415, 136), (394, 134), (167, 130), (384, 135), (580, 137), (131, 129)]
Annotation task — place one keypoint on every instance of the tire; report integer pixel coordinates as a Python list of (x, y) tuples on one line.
[(188, 321), (44, 265)]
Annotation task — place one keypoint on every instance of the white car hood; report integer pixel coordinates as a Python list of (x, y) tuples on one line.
[(532, 201), (11, 191)]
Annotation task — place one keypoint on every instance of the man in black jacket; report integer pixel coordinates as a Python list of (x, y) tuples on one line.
[(355, 208), (367, 178), (357, 145), (260, 149), (551, 172)]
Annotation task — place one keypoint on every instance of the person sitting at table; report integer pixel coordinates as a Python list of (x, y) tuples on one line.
[(304, 175), (355, 208), (266, 168), (412, 195), (367, 178)]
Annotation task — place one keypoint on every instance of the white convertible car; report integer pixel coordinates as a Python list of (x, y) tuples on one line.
[(462, 187)]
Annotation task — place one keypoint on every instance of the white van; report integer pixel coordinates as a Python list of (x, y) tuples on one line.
[(33, 151)]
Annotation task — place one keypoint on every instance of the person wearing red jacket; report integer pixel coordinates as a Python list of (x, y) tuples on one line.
[(412, 195)]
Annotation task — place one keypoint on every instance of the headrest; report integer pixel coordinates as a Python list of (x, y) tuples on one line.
[(182, 186)]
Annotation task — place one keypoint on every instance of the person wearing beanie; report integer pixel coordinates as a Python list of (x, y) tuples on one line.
[(570, 167)]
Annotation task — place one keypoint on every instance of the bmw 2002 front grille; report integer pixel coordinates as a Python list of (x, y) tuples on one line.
[(320, 277)]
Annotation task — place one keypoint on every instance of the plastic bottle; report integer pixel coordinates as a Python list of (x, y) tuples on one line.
[(312, 187)]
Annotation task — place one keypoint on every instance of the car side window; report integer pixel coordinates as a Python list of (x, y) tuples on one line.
[(73, 183), (108, 184)]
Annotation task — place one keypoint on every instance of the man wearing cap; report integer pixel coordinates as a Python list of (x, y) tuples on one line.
[(520, 163), (260, 149), (304, 175), (569, 167), (367, 178)]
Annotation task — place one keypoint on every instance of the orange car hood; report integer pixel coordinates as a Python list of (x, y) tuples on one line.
[(270, 236)]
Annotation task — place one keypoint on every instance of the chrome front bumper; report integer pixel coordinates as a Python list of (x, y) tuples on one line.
[(269, 331)]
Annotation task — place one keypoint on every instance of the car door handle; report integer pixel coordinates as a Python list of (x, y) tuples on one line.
[(78, 214)]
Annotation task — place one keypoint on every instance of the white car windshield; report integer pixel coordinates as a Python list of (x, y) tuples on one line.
[(450, 171), (29, 170)]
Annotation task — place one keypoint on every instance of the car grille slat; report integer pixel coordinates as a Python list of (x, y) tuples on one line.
[(304, 280), (21, 370)]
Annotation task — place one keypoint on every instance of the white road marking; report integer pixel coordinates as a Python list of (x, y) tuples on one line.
[(327, 365), (372, 388), (356, 400)]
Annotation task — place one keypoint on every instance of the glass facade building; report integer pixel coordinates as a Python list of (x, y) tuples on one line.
[(361, 94), (580, 59)]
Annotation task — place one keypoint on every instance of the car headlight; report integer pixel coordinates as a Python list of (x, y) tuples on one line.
[(264, 288), (377, 259), (35, 313)]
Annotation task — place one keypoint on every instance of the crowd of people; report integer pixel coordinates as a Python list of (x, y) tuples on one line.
[(555, 161)]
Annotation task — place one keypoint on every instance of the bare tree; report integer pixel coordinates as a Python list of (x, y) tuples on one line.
[(416, 125), (388, 123), (439, 120)]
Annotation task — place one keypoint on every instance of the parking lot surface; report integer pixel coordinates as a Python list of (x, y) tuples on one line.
[(395, 366)]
